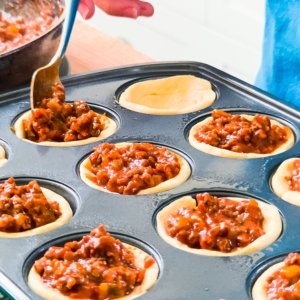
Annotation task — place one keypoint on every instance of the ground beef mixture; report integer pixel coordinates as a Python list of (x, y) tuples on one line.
[(237, 134), (284, 284), (97, 267), (217, 224), (15, 32), (294, 179), (58, 121), (25, 207), (132, 168)]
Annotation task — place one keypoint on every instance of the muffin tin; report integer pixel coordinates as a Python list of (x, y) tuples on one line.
[(132, 218)]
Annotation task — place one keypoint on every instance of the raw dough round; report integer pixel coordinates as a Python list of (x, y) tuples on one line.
[(111, 127), (182, 176), (230, 154), (259, 290), (280, 185), (36, 284), (66, 215), (272, 226), (3, 160), (168, 96)]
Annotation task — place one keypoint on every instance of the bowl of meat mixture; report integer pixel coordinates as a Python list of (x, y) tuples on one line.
[(30, 32)]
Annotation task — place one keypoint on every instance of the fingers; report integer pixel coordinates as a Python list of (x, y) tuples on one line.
[(120, 8), (147, 9), (86, 8), (126, 8)]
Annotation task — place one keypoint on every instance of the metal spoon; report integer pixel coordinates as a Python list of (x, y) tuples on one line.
[(46, 77)]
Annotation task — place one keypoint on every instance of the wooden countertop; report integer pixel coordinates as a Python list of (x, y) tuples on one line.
[(89, 49)]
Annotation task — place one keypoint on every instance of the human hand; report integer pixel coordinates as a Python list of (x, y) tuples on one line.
[(120, 8)]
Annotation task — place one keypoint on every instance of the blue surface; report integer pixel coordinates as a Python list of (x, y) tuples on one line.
[(280, 70)]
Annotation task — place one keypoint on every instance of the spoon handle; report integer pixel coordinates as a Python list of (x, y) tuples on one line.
[(71, 7)]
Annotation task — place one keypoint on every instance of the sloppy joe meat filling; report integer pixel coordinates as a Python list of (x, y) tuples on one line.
[(294, 179), (285, 282), (15, 32), (97, 267), (218, 224), (130, 169), (58, 121), (237, 134), (25, 207)]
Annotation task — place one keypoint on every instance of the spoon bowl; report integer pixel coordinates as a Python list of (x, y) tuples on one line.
[(46, 77)]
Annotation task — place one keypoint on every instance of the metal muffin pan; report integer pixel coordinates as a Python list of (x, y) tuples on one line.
[(183, 276)]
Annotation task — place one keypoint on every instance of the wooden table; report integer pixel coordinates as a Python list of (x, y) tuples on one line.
[(89, 49)]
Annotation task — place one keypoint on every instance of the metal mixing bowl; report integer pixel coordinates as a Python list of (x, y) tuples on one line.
[(18, 65)]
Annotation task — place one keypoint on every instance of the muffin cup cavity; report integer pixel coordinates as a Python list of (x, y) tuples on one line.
[(186, 164), (279, 182), (65, 196), (193, 126), (272, 225), (112, 126), (133, 244), (256, 279), (168, 95), (5, 152)]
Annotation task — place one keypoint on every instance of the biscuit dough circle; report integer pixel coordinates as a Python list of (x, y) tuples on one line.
[(36, 284), (111, 128), (64, 208), (272, 226), (3, 160), (168, 96), (259, 290), (231, 154), (182, 176), (280, 185)]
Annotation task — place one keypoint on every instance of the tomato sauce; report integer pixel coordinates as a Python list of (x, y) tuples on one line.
[(97, 267), (132, 168), (25, 207), (58, 121), (217, 224), (294, 179), (237, 134), (285, 282)]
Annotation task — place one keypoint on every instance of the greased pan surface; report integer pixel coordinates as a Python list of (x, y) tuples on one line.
[(182, 275)]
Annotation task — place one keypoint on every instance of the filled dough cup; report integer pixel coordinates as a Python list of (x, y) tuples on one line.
[(109, 123), (3, 159), (280, 182), (55, 122), (113, 255), (166, 218), (207, 147), (168, 96), (30, 209), (259, 290), (131, 171), (279, 278)]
